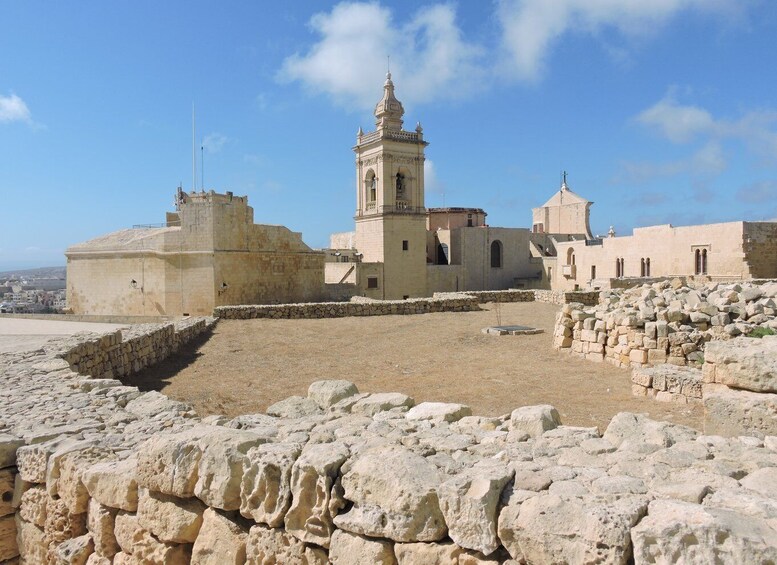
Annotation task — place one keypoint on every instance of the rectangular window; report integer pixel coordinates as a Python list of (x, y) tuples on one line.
[(405, 245), (372, 282)]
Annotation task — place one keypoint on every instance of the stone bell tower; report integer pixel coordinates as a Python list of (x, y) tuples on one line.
[(390, 213)]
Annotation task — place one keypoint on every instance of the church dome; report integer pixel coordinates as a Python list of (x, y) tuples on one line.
[(389, 110)]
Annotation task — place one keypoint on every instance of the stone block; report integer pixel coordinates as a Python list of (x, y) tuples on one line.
[(731, 413), (32, 506), (113, 483), (220, 541), (551, 529), (8, 538), (638, 356), (534, 420), (328, 393), (314, 502), (265, 491), (438, 412), (352, 549), (720, 536), (221, 466), (170, 519), (74, 551), (268, 546), (394, 495), (469, 503), (100, 522)]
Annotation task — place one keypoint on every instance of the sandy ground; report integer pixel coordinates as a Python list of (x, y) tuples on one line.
[(21, 334), (246, 365)]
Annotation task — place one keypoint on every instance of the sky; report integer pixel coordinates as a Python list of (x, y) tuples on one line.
[(660, 112)]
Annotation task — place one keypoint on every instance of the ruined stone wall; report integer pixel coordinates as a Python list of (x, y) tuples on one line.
[(95, 472), (665, 322), (457, 303)]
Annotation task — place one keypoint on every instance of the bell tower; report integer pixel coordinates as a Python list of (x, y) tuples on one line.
[(390, 211)]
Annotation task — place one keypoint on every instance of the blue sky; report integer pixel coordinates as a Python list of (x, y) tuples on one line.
[(661, 111)]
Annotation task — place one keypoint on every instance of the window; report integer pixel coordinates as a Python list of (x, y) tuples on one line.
[(405, 245), (372, 282), (371, 186), (700, 261), (642, 267), (442, 254), (619, 271), (400, 186), (647, 267), (496, 254), (570, 256), (593, 271), (700, 256), (469, 220)]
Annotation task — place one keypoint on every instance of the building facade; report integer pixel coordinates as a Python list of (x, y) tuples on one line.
[(209, 253)]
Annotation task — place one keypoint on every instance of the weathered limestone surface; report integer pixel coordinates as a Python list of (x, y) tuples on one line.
[(745, 364), (666, 323), (97, 472)]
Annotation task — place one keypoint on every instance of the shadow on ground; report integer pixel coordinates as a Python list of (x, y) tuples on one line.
[(157, 377)]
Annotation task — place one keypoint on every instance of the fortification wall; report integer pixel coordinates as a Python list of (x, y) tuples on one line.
[(93, 471)]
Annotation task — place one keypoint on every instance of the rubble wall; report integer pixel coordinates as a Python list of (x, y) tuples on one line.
[(123, 352), (453, 303), (665, 322), (92, 471)]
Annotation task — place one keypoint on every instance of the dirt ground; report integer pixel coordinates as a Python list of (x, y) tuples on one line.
[(246, 365)]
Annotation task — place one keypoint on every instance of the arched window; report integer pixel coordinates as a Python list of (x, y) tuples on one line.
[(642, 267), (570, 256), (400, 185), (647, 267), (618, 273), (371, 187), (496, 254), (593, 272), (700, 261), (442, 254)]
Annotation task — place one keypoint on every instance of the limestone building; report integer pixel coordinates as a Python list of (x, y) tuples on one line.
[(208, 253), (390, 214)]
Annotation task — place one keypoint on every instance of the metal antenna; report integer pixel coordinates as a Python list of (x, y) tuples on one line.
[(194, 153)]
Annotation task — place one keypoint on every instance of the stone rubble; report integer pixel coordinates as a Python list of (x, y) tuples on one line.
[(664, 322), (94, 471)]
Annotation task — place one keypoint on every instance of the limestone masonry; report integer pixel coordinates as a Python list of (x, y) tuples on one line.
[(95, 471)]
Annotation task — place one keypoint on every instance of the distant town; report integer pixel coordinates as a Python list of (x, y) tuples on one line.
[(33, 291)]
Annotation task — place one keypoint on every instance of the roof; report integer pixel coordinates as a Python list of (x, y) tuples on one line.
[(136, 238), (565, 196)]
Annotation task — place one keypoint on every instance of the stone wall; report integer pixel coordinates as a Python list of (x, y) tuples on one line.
[(665, 322), (456, 303), (95, 472), (587, 298), (123, 352)]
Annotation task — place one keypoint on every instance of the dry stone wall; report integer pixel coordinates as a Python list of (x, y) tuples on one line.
[(440, 302), (454, 303), (92, 471), (123, 352), (665, 322)]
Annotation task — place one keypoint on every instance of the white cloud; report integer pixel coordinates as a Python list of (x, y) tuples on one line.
[(531, 27), (429, 57), (709, 160), (758, 192), (13, 109), (680, 123), (432, 184), (214, 142), (676, 122)]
